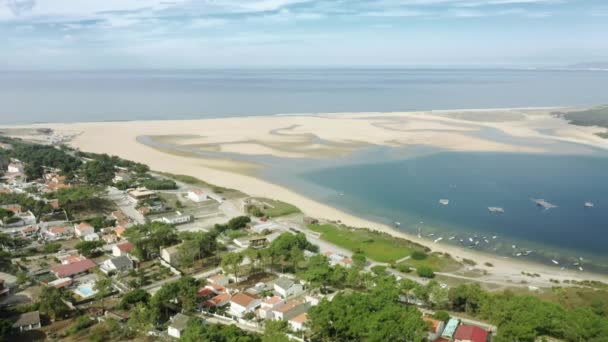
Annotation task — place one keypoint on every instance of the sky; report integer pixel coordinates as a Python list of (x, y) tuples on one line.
[(111, 34)]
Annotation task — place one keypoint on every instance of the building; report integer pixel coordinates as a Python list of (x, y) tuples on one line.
[(197, 195), (268, 306), (243, 303), (121, 219), (15, 167), (286, 287), (217, 289), (469, 333), (83, 229), (58, 233), (436, 327), (73, 269), (265, 226), (141, 194), (297, 323), (8, 282), (70, 259), (28, 321), (123, 248), (179, 218), (338, 259), (450, 328), (109, 238), (120, 230), (178, 325), (118, 264), (289, 310), (251, 241), (221, 299), (218, 279), (60, 283), (91, 237), (170, 254)]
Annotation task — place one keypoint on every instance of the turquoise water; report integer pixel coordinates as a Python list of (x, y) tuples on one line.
[(76, 96), (408, 191), (85, 291)]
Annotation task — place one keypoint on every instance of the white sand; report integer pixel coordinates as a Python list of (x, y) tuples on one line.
[(119, 138)]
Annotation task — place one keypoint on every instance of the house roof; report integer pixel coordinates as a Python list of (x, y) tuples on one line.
[(450, 328), (273, 300), (204, 292), (61, 282), (243, 299), (471, 333), (197, 191), (121, 261), (180, 321), (125, 246), (435, 324), (27, 318), (119, 230), (57, 230), (292, 304), (217, 300), (284, 283), (301, 318), (73, 268), (70, 259), (83, 225), (216, 287)]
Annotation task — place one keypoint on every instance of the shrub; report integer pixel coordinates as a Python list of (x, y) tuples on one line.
[(442, 316), (418, 255), (425, 272)]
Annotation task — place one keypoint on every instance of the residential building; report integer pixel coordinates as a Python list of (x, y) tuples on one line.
[(121, 219), (109, 238), (286, 287), (8, 282), (118, 264), (289, 310), (218, 279), (221, 299), (170, 254), (123, 248), (178, 325), (15, 167), (176, 219), (268, 306), (197, 195), (242, 303), (70, 259), (338, 259), (60, 283), (73, 269), (58, 233), (298, 322), (83, 229), (141, 194), (217, 289), (28, 321), (120, 230), (436, 327), (469, 333), (91, 237), (250, 241), (450, 328)]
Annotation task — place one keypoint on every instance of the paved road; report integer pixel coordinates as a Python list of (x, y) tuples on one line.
[(128, 207)]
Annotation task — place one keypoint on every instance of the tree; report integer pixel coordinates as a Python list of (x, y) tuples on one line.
[(134, 297), (141, 318), (232, 263), (6, 328), (88, 248), (359, 259), (425, 272), (274, 331), (197, 330), (52, 304), (318, 272), (149, 238), (441, 315), (104, 288), (100, 172)]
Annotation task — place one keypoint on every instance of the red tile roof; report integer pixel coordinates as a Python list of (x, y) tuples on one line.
[(243, 299), (125, 246), (73, 268), (218, 300), (471, 333), (434, 323)]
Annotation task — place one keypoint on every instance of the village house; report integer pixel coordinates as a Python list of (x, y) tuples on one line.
[(170, 254), (15, 167), (197, 195), (109, 238), (216, 288), (436, 327), (242, 303), (91, 237), (176, 219), (60, 283), (118, 264), (221, 299), (298, 322), (83, 229), (70, 259), (450, 328), (178, 325), (25, 232), (123, 248), (28, 321), (120, 231), (250, 241), (469, 333), (218, 279), (73, 269), (289, 310), (286, 287), (58, 233), (122, 220), (338, 259), (268, 306), (8, 283), (140, 194)]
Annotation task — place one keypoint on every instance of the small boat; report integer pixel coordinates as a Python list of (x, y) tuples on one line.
[(494, 237), (461, 240), (518, 254), (589, 205), (544, 204), (476, 243), (580, 268), (452, 237), (438, 239), (486, 241), (513, 246), (444, 201), (496, 210), (470, 240), (555, 261), (432, 234), (397, 223), (341, 194)]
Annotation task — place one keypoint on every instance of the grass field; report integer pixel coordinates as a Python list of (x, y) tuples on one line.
[(274, 208), (436, 261), (376, 246)]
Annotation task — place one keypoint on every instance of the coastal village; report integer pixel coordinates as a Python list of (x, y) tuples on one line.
[(98, 248)]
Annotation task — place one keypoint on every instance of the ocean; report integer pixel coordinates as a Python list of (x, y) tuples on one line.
[(77, 96)]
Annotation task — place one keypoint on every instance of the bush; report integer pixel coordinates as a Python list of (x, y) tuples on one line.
[(81, 323), (425, 272), (159, 184), (442, 316), (418, 255), (52, 247), (403, 268)]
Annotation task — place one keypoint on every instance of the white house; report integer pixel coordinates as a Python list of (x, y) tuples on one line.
[(118, 264), (218, 279), (15, 167), (286, 287), (178, 325), (123, 248), (28, 321), (290, 310), (170, 254), (269, 305), (242, 303), (179, 218), (197, 195), (58, 232), (83, 229), (297, 323), (91, 237)]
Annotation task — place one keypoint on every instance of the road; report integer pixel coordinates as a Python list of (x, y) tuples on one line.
[(122, 201)]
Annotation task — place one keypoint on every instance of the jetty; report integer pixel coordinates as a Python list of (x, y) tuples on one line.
[(544, 204), (444, 201), (497, 210)]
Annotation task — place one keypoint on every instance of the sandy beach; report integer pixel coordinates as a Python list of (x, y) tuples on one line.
[(324, 136)]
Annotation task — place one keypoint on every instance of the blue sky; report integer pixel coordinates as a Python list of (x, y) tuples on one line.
[(100, 34)]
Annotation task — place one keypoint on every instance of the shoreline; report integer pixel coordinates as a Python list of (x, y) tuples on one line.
[(119, 138)]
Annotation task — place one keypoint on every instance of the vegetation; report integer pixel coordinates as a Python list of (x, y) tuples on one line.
[(597, 116), (149, 238), (89, 248), (197, 330), (159, 184), (272, 208), (195, 246), (425, 272), (52, 247), (52, 303), (234, 223), (134, 297)]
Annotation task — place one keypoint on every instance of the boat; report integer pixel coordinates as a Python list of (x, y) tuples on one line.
[(438, 239), (444, 201), (497, 210), (397, 224), (452, 237), (486, 241), (544, 204), (555, 261), (513, 246), (470, 240), (580, 268), (518, 254), (589, 205)]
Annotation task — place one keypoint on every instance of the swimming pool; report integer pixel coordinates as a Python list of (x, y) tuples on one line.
[(85, 290)]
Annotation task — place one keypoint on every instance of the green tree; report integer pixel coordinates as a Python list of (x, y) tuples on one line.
[(134, 297), (100, 172), (52, 304), (318, 272), (232, 263), (104, 288), (88, 248), (149, 238), (425, 272), (141, 318), (274, 331)]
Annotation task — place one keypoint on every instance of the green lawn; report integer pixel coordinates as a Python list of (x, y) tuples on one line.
[(274, 208), (376, 246), (436, 261)]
